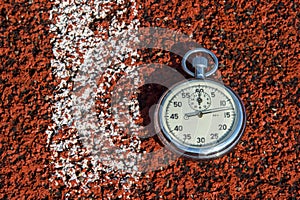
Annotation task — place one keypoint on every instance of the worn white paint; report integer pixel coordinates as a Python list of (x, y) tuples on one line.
[(73, 42)]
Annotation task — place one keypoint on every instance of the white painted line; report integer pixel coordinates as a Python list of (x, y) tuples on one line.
[(78, 52)]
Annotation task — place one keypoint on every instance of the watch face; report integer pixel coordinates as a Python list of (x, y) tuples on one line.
[(200, 118)]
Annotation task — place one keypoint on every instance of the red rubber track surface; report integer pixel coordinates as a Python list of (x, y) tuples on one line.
[(258, 46)]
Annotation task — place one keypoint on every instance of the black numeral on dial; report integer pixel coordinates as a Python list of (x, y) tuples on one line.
[(200, 140), (222, 103), (222, 126), (185, 95), (227, 115), (214, 136), (174, 116), (177, 104), (178, 128), (187, 137)]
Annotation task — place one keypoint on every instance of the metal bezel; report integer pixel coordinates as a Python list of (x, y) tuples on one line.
[(207, 152)]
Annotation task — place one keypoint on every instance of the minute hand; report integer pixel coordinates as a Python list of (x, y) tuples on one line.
[(200, 113), (216, 110)]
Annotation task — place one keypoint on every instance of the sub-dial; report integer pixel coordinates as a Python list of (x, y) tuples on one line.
[(199, 101)]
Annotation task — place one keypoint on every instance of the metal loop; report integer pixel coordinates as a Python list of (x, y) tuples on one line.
[(202, 50)]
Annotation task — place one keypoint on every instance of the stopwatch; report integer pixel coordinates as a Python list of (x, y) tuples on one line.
[(200, 117)]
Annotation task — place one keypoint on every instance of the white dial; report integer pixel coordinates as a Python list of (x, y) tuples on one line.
[(200, 116)]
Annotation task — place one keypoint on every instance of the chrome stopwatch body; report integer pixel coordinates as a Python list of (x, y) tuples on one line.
[(200, 118)]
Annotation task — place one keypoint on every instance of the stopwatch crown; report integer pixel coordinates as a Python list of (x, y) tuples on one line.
[(200, 63)]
